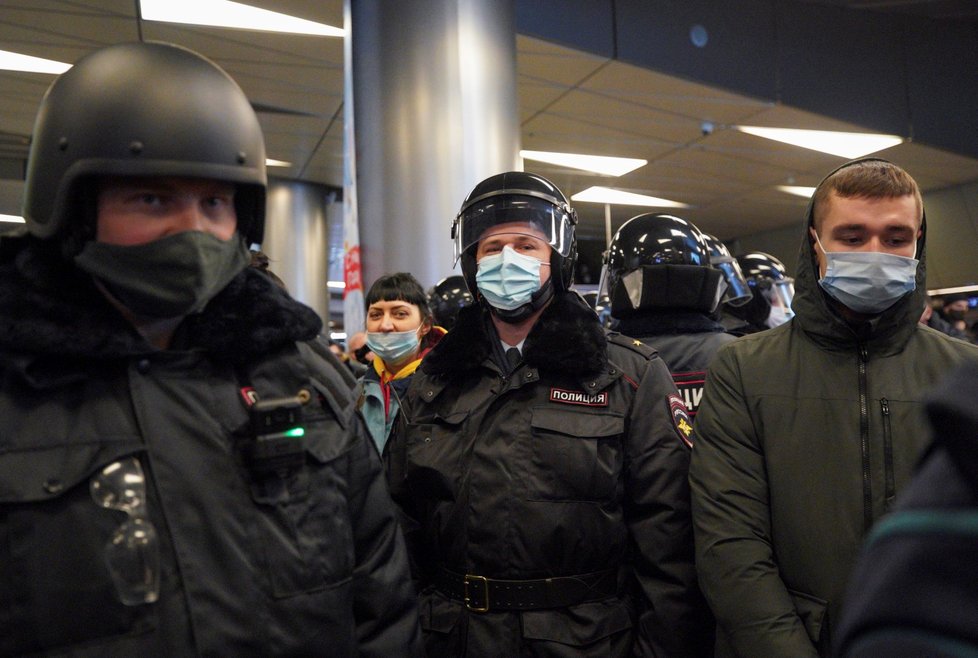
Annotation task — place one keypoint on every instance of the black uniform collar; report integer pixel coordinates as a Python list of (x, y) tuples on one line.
[(567, 339)]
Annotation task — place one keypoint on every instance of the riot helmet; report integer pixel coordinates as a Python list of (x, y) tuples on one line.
[(141, 109), (771, 285), (737, 292), (446, 298), (660, 261), (601, 306), (518, 197)]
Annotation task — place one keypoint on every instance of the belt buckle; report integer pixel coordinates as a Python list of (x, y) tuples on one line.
[(485, 588)]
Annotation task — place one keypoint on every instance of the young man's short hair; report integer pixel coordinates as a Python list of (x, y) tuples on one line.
[(872, 179)]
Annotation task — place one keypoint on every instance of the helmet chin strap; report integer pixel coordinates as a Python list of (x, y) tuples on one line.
[(537, 301)]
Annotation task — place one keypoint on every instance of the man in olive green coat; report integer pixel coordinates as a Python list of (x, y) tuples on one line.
[(808, 431)]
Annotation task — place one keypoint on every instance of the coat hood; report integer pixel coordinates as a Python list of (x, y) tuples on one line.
[(816, 314), (53, 314), (567, 339)]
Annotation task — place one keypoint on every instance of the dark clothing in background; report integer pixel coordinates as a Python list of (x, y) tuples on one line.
[(686, 341), (307, 560), (914, 591), (570, 464)]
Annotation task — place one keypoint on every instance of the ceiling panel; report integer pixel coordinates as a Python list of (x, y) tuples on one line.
[(568, 101)]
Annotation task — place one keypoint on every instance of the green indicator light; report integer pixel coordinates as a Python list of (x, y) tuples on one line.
[(295, 431)]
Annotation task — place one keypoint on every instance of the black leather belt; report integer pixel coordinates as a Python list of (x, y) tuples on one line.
[(481, 594)]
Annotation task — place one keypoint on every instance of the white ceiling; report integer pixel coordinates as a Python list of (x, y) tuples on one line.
[(569, 101)]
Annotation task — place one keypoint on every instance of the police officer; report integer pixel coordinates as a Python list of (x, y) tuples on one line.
[(446, 298), (773, 291), (181, 469), (737, 292), (665, 292), (541, 468)]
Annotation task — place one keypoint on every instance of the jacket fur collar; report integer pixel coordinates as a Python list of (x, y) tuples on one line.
[(51, 309), (567, 339)]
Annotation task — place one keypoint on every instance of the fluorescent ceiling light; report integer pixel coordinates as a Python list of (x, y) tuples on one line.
[(609, 195), (846, 145), (599, 164), (276, 163), (16, 62), (952, 291), (223, 13), (339, 285), (798, 190), (14, 219)]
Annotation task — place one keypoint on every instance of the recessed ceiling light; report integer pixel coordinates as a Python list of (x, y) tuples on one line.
[(798, 190), (14, 219), (952, 291), (16, 62), (276, 163), (620, 197), (846, 145), (224, 13), (599, 164)]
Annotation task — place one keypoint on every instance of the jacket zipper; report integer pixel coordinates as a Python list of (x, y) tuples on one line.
[(890, 490), (864, 439)]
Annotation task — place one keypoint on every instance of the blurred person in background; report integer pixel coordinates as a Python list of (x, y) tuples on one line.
[(446, 298), (772, 291), (665, 292)]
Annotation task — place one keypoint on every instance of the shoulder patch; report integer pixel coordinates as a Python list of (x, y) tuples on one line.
[(690, 385), (632, 344), (680, 418)]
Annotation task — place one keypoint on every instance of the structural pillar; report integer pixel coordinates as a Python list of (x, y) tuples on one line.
[(434, 84), (297, 240)]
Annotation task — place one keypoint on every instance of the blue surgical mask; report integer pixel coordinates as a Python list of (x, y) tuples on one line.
[(508, 279), (867, 281), (393, 347)]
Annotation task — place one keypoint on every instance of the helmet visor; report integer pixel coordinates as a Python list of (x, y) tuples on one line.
[(737, 292), (785, 288), (552, 221)]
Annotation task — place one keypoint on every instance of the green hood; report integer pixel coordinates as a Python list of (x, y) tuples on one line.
[(814, 311)]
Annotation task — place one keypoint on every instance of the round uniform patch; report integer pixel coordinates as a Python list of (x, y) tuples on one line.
[(680, 418)]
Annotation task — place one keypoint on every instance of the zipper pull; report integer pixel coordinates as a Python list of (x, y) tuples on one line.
[(863, 354), (885, 404)]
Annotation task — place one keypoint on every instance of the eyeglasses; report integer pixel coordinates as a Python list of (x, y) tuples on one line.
[(133, 551)]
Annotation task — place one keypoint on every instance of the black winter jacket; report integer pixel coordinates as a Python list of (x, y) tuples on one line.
[(571, 464), (307, 560), (686, 340), (806, 434), (914, 591)]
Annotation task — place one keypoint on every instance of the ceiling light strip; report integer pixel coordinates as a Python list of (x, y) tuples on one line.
[(598, 164), (224, 13)]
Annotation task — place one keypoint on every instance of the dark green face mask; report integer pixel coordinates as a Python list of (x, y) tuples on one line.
[(166, 278)]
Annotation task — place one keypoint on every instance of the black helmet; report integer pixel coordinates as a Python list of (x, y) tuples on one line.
[(446, 298), (517, 196), (142, 109), (660, 261), (737, 292), (767, 277)]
